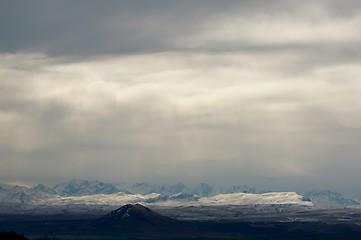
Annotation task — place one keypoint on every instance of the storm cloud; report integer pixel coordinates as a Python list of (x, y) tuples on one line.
[(264, 93)]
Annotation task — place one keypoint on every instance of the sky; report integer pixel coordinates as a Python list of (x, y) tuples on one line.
[(261, 92)]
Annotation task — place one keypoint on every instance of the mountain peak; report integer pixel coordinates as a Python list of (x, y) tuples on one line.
[(77, 187), (136, 217), (129, 210)]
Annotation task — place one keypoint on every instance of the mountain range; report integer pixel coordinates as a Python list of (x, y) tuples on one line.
[(96, 193)]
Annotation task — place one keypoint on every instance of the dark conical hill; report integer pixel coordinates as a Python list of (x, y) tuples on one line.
[(137, 218)]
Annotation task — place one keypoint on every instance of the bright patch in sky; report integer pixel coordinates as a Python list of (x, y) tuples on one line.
[(264, 93)]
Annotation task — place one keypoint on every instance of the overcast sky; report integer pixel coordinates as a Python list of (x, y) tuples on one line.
[(265, 93)]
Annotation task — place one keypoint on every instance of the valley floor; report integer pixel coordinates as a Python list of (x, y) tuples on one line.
[(200, 223)]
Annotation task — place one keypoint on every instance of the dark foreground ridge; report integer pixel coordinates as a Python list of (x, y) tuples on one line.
[(139, 222), (11, 236)]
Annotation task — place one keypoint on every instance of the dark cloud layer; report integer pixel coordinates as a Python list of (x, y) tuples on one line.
[(100, 27), (124, 27)]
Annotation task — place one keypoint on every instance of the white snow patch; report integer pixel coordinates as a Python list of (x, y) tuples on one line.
[(103, 199), (252, 199)]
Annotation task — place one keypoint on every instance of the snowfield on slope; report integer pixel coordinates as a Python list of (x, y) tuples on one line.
[(103, 199), (251, 199), (289, 198)]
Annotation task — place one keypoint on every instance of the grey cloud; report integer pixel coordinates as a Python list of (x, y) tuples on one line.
[(142, 140), (152, 90), (99, 27), (124, 27)]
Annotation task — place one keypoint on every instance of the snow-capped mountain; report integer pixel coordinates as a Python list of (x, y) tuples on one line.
[(78, 187), (276, 198), (95, 193), (272, 198), (17, 197), (330, 199), (239, 189), (42, 189), (14, 194), (7, 188), (204, 190), (146, 188), (114, 199)]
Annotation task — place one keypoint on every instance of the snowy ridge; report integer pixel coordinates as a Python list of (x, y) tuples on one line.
[(74, 193), (77, 187), (103, 199), (251, 199), (326, 199), (289, 198)]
